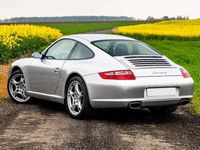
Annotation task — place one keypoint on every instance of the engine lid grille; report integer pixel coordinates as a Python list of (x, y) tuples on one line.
[(148, 61)]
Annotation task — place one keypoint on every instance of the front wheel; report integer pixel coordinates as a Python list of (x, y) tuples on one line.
[(77, 101), (164, 110), (17, 87)]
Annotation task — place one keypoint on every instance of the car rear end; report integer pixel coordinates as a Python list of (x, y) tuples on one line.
[(161, 81), (148, 81)]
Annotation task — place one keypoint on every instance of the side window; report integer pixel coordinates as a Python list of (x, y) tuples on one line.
[(104, 45), (81, 52), (60, 50)]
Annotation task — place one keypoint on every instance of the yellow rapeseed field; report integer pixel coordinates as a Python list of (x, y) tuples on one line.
[(17, 39), (176, 29), (11, 35)]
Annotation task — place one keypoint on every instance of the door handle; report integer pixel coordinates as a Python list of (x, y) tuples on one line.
[(56, 70)]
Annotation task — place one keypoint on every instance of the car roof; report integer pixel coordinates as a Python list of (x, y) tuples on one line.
[(98, 37)]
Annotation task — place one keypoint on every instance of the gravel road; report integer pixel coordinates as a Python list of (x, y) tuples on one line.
[(46, 125)]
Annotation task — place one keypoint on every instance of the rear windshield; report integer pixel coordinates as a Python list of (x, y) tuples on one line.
[(125, 47)]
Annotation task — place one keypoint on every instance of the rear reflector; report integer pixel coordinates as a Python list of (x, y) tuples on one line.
[(185, 73), (118, 75)]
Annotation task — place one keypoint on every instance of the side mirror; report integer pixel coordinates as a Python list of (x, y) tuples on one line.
[(37, 55)]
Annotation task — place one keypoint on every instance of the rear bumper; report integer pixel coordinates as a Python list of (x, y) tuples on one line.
[(123, 103), (118, 94)]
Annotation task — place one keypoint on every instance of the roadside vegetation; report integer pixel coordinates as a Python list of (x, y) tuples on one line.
[(178, 40), (16, 40), (3, 80)]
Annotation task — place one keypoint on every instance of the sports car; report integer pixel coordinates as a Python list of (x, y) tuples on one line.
[(89, 71)]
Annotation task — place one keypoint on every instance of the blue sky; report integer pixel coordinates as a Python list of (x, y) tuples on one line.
[(132, 8)]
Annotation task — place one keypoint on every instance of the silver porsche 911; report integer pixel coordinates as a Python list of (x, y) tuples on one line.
[(88, 71)]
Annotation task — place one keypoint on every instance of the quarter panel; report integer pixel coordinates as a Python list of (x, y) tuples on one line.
[(99, 63)]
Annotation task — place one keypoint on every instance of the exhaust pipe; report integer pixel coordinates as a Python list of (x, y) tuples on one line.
[(184, 101), (135, 105)]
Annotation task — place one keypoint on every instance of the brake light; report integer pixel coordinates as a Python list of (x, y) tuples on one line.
[(185, 73), (118, 75)]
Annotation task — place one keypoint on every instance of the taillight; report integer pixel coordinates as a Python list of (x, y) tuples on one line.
[(185, 73), (118, 75)]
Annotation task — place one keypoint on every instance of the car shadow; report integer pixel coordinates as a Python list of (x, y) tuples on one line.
[(114, 115), (143, 116)]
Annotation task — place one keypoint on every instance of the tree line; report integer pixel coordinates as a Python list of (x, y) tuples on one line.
[(84, 19)]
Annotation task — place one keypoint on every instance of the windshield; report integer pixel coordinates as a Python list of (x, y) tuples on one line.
[(125, 47)]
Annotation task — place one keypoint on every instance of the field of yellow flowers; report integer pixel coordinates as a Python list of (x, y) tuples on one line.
[(18, 39), (175, 30)]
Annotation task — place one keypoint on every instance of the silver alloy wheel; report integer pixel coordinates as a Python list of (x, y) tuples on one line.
[(75, 97), (17, 88)]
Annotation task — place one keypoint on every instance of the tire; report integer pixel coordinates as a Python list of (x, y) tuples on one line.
[(164, 110), (17, 88), (76, 99)]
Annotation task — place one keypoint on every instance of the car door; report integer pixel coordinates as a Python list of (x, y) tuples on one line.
[(44, 73)]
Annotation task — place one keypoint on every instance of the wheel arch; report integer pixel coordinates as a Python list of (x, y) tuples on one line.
[(73, 74), (15, 68), (12, 72)]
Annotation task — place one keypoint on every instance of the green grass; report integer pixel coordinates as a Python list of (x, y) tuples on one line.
[(3, 103), (73, 28), (186, 54)]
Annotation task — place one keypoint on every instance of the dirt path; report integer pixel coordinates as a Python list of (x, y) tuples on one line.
[(46, 125)]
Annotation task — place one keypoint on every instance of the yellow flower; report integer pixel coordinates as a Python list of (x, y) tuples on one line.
[(12, 35), (176, 28)]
